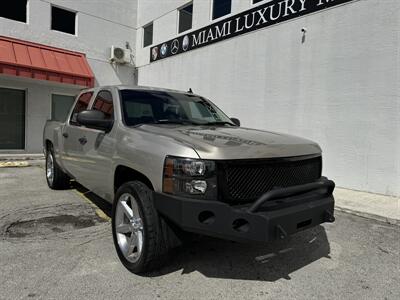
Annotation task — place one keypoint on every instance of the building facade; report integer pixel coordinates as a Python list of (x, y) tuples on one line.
[(331, 75), (327, 70), (58, 28)]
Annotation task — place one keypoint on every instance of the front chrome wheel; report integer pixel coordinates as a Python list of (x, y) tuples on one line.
[(50, 168), (129, 227)]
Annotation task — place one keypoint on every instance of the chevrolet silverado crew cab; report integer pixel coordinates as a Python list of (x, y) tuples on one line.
[(173, 163)]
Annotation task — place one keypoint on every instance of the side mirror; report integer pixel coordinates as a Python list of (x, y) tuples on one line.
[(236, 121), (94, 119)]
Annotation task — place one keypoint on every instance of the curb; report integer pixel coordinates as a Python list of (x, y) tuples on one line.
[(21, 163), (14, 164), (368, 215)]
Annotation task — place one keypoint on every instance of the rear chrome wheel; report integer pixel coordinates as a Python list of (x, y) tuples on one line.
[(50, 168), (55, 176), (129, 227)]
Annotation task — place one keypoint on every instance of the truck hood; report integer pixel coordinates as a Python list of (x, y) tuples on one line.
[(223, 142)]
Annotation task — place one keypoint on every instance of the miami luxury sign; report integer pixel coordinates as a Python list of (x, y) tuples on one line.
[(261, 16)]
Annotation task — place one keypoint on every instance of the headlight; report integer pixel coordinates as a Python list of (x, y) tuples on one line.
[(187, 177)]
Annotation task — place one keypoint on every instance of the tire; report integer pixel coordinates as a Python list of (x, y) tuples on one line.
[(55, 177), (138, 239)]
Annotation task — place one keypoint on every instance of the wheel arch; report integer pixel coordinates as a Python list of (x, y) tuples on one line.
[(48, 144), (124, 174)]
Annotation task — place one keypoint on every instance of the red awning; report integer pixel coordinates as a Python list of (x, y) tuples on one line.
[(26, 59)]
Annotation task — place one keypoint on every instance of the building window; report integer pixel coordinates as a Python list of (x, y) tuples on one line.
[(256, 1), (14, 10), (185, 18), (80, 105), (221, 8), (63, 20), (60, 107), (147, 35), (12, 119), (104, 103)]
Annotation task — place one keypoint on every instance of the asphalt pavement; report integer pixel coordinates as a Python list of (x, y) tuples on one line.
[(58, 245)]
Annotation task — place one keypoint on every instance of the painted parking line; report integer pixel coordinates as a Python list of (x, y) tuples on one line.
[(13, 164), (97, 210)]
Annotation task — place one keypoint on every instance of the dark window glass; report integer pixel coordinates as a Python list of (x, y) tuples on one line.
[(221, 8), (185, 18), (60, 107), (63, 20), (14, 10), (158, 107), (104, 103), (256, 1), (80, 105), (148, 35), (12, 119)]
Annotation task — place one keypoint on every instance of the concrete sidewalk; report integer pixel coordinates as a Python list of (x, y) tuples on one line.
[(378, 207), (374, 206)]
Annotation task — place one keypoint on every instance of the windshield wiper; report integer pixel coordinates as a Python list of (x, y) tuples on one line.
[(176, 121), (219, 123)]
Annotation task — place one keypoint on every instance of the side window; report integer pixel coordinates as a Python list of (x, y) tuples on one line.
[(104, 103), (221, 8), (185, 18), (147, 35), (80, 105)]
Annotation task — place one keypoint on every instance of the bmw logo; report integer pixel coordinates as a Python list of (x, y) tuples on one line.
[(185, 43), (163, 50)]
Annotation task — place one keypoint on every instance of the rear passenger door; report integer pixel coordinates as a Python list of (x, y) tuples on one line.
[(70, 147), (98, 149)]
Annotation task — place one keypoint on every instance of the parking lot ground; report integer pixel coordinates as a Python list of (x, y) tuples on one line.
[(57, 245)]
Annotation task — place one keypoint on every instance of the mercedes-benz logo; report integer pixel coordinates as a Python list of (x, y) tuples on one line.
[(175, 46)]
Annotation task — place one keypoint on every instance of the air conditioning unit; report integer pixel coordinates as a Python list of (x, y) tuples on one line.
[(120, 55)]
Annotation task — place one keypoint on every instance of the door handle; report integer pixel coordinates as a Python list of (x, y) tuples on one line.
[(65, 134), (82, 140)]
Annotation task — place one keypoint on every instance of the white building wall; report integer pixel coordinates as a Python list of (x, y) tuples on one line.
[(100, 24), (340, 87)]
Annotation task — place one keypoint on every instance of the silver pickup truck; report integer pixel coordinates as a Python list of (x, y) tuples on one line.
[(173, 163)]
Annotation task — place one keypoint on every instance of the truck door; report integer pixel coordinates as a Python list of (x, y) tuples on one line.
[(70, 147), (96, 149)]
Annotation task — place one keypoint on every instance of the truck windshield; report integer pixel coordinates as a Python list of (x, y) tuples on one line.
[(163, 107)]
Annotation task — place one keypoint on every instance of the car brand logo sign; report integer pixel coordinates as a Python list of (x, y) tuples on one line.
[(163, 50), (185, 43), (261, 16), (174, 46), (154, 53)]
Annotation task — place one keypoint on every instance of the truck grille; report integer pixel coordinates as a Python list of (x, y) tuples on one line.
[(244, 181)]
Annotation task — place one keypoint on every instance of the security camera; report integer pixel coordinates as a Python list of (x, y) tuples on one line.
[(304, 30)]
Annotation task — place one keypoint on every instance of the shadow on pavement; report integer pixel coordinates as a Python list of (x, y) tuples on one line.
[(99, 202), (216, 258)]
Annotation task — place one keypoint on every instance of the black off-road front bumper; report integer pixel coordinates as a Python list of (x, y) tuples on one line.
[(275, 215)]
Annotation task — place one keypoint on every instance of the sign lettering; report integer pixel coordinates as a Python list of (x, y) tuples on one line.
[(261, 16)]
